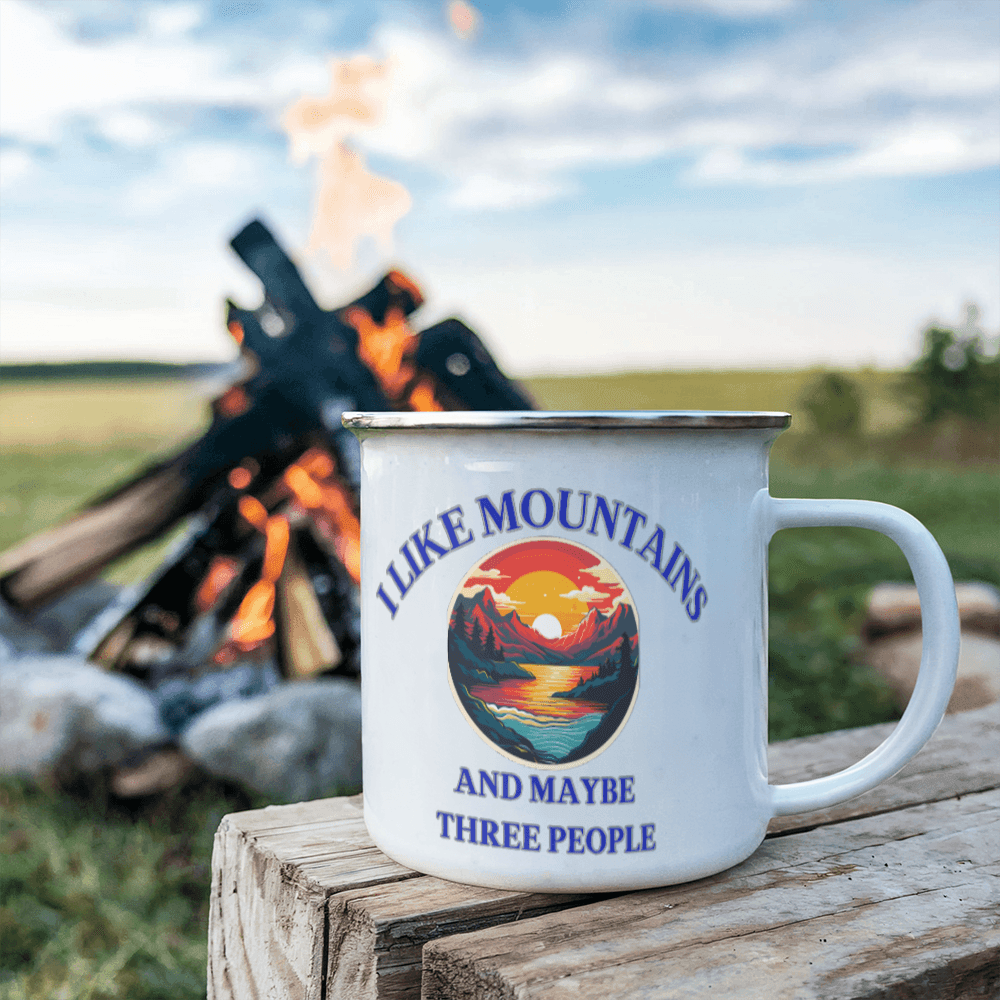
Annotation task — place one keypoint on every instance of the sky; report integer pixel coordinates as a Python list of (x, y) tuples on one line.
[(592, 186)]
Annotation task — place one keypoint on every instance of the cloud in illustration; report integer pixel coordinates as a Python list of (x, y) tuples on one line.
[(589, 594), (502, 600)]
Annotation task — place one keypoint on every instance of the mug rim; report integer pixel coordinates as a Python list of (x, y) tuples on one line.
[(557, 420)]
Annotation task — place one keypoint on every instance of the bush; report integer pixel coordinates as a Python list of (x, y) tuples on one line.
[(955, 377), (835, 405)]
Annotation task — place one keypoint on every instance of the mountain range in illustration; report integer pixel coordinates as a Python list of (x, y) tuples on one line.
[(589, 644)]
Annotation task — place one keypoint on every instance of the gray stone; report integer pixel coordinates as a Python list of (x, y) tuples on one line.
[(894, 607), (300, 741), (60, 714), (181, 697), (897, 659), (53, 628)]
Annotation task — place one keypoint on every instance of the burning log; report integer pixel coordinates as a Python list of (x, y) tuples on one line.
[(268, 565)]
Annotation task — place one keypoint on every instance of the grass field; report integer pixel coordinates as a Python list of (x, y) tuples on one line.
[(102, 898)]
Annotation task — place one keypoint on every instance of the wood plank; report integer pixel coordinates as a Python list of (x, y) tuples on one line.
[(961, 757), (849, 910), (272, 871), (300, 894), (377, 934)]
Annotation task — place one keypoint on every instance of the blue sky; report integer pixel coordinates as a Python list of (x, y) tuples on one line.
[(595, 186)]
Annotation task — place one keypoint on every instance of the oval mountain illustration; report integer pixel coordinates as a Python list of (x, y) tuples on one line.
[(543, 651)]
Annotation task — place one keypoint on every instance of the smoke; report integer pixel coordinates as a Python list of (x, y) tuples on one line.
[(351, 202)]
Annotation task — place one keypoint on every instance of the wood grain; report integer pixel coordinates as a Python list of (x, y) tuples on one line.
[(272, 871), (960, 757), (834, 912), (304, 905)]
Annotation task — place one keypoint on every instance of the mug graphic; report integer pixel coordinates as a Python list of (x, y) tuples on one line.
[(515, 732), (543, 651)]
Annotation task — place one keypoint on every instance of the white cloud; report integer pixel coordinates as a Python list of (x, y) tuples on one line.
[(509, 131), (174, 18), (503, 601), (588, 594), (14, 165), (47, 78), (908, 92), (740, 9)]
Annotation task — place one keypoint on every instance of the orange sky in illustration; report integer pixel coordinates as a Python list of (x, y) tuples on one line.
[(547, 576)]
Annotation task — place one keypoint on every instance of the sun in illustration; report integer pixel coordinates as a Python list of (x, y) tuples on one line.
[(542, 604), (547, 626)]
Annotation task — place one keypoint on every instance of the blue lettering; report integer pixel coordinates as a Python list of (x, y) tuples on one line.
[(610, 791), (699, 601), (590, 835), (633, 523), (615, 836), (510, 834), (465, 782), (488, 832), (460, 828), (627, 795), (557, 835), (444, 817), (403, 587), (590, 784), (453, 527), (384, 598), (526, 508), (485, 782), (531, 837), (655, 544), (505, 790), (630, 848), (602, 510), (689, 582), (647, 837), (415, 570), (576, 840), (427, 543), (542, 792), (567, 786), (564, 496), (673, 559), (498, 517)]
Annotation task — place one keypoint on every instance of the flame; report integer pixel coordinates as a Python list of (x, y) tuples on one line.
[(233, 402), (422, 396), (351, 201), (254, 619), (235, 328), (387, 350), (313, 482), (221, 572), (240, 477)]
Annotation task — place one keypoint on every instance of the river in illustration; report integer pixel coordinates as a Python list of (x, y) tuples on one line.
[(554, 726)]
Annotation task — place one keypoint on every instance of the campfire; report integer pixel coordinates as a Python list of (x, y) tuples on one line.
[(267, 567)]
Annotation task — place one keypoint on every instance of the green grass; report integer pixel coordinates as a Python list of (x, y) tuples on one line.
[(104, 899)]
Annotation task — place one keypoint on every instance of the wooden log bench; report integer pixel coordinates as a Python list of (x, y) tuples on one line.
[(895, 894)]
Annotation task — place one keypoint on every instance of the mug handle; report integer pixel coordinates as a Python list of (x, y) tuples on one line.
[(939, 655)]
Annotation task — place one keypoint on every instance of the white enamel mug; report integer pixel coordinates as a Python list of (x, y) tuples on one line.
[(564, 652)]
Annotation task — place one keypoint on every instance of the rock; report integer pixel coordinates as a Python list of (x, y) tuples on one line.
[(53, 628), (894, 607), (60, 714), (300, 741), (182, 697), (158, 772), (897, 659)]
